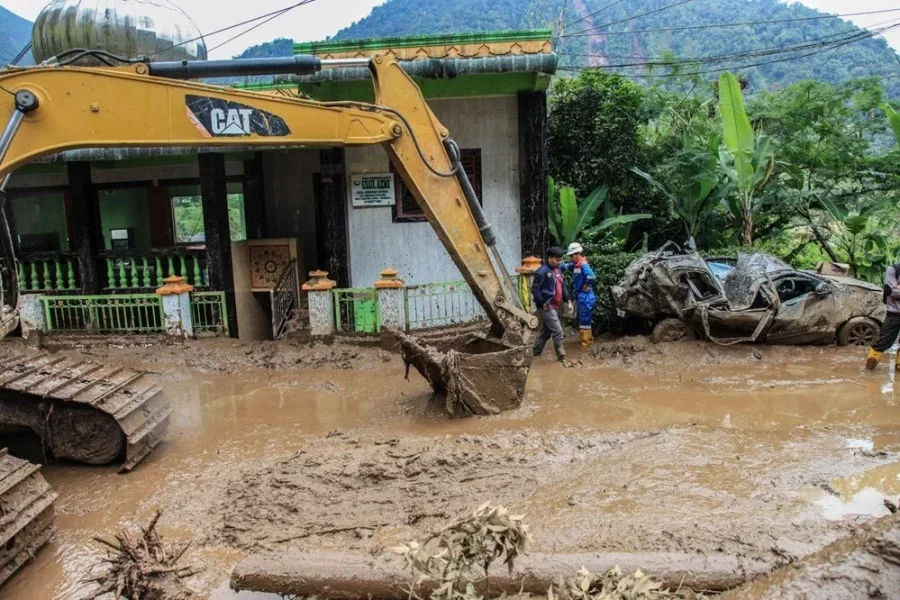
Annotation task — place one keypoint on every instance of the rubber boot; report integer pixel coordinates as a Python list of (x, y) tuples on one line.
[(872, 360), (561, 356), (587, 337)]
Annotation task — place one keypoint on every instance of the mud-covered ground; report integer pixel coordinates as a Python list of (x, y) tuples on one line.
[(763, 453)]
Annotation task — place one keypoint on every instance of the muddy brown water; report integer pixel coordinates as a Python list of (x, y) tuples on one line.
[(763, 453)]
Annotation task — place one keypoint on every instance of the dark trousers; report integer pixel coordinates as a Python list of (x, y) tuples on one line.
[(889, 331)]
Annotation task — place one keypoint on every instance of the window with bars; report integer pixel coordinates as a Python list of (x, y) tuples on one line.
[(406, 209)]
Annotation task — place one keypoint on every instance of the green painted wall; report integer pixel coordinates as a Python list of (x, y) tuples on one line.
[(126, 207), (41, 214)]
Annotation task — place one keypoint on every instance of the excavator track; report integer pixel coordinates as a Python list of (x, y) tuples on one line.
[(83, 411), (26, 513)]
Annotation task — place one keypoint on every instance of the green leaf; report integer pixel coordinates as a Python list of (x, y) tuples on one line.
[(653, 182), (619, 220), (856, 224), (588, 208), (894, 118), (569, 209), (738, 134), (837, 212)]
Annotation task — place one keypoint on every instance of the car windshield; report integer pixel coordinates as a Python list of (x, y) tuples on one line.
[(720, 270)]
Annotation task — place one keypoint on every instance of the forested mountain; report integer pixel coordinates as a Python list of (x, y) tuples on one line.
[(15, 33), (826, 49)]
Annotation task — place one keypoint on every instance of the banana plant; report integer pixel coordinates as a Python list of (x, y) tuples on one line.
[(702, 186), (570, 220), (748, 160), (894, 119)]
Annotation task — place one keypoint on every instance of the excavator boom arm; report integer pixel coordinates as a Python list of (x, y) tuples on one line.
[(59, 108)]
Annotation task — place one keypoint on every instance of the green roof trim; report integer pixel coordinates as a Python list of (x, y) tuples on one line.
[(484, 37)]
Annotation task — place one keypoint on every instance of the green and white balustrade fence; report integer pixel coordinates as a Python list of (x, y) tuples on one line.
[(131, 314), (127, 314), (444, 303), (427, 306), (147, 269), (47, 272)]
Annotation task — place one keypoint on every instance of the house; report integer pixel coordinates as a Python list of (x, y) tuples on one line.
[(114, 222)]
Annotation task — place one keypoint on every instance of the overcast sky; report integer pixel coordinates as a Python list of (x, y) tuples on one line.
[(325, 17)]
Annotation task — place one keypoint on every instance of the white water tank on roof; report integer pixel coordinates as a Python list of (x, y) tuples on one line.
[(131, 28)]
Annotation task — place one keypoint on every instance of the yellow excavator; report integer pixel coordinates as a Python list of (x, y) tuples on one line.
[(94, 413)]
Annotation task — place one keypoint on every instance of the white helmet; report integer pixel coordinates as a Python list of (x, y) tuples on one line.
[(575, 248)]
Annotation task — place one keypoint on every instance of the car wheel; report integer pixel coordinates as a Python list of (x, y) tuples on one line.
[(858, 331), (671, 330)]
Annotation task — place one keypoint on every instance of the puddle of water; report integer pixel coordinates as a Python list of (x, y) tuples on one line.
[(858, 444), (866, 502), (859, 495)]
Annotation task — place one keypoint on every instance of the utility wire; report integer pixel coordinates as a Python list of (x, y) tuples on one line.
[(748, 53), (586, 33), (260, 24), (626, 19), (718, 70), (594, 14), (230, 27)]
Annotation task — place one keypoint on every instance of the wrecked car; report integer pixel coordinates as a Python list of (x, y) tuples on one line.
[(753, 298)]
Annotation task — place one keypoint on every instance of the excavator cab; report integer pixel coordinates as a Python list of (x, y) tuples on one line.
[(59, 105)]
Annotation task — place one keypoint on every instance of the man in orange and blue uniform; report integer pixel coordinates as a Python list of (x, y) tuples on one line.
[(583, 281)]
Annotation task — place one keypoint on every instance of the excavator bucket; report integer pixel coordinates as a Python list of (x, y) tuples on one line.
[(472, 373)]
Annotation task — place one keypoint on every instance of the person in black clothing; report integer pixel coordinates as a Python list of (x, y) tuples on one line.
[(549, 292)]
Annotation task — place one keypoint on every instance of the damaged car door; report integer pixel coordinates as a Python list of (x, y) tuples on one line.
[(807, 312)]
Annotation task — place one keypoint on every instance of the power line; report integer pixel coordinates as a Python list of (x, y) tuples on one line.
[(595, 13), (626, 19), (586, 33), (718, 70), (230, 27), (258, 25), (748, 53)]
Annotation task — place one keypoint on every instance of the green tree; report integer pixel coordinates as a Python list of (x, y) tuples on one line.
[(594, 131), (697, 186), (838, 174)]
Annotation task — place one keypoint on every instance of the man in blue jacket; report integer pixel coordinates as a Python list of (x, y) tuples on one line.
[(549, 292), (583, 280)]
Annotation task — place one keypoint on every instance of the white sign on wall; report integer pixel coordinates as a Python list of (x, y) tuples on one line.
[(372, 189)]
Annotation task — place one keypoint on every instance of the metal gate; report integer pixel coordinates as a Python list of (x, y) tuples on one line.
[(356, 310)]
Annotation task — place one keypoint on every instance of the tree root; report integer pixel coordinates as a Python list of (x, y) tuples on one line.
[(140, 566)]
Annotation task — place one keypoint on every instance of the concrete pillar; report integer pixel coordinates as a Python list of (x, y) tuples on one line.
[(176, 303), (331, 215), (214, 194), (391, 305), (32, 316), (321, 303), (530, 264), (87, 232), (534, 167)]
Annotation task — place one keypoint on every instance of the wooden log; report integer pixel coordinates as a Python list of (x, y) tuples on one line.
[(344, 576)]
